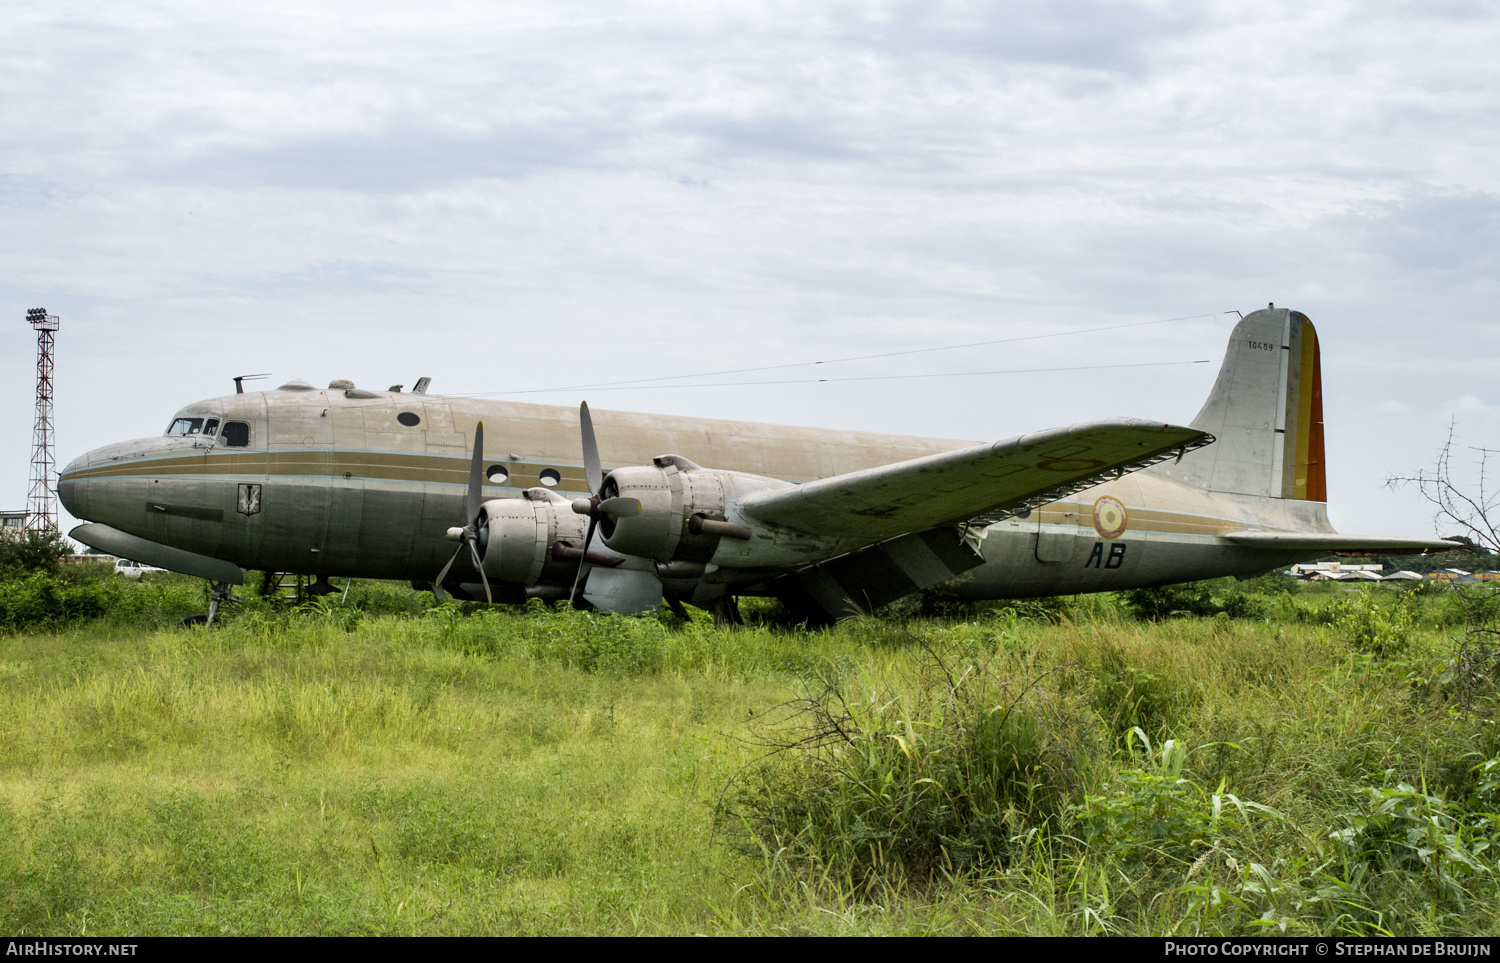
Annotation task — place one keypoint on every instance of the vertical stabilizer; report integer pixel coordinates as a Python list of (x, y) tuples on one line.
[(1266, 412)]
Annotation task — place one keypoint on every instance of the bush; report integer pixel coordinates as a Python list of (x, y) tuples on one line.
[(1250, 599), (1412, 831), (1152, 814), (1127, 696), (941, 772), (39, 599), (1378, 624), (31, 551), (1166, 601), (42, 600)]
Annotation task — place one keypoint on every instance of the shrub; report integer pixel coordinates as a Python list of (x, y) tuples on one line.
[(31, 551), (40, 599), (940, 772), (1412, 831), (1127, 696), (1151, 813), (1379, 626), (1166, 601)]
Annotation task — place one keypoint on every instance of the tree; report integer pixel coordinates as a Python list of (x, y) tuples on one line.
[(1474, 510), (35, 550)]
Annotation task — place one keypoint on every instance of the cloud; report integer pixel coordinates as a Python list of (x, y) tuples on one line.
[(1471, 406), (538, 194)]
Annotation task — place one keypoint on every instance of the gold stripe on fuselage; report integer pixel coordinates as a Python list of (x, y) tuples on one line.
[(378, 467), (364, 465)]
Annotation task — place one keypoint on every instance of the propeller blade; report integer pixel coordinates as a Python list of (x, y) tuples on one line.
[(437, 587), (620, 507), (587, 541), (476, 477), (592, 473), (474, 554)]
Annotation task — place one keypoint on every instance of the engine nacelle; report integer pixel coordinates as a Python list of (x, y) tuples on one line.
[(672, 491), (519, 536)]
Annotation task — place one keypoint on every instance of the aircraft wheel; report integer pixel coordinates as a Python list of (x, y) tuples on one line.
[(726, 612), (200, 619)]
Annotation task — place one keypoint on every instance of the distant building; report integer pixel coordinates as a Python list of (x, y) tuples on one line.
[(1337, 572), (12, 523)]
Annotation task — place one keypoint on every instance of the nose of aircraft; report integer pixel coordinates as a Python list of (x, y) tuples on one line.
[(71, 489), (91, 483)]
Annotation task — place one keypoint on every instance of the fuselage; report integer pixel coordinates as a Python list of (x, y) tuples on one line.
[(365, 484)]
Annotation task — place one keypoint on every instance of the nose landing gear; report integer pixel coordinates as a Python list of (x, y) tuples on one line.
[(218, 594)]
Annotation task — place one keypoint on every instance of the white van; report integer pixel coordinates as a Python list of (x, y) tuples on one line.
[(130, 569)]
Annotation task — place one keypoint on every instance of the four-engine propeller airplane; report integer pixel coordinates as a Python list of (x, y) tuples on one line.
[(379, 484)]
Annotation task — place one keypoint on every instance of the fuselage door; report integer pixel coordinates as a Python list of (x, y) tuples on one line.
[(1057, 536)]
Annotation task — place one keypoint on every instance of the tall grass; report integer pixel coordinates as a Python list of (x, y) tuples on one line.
[(389, 766)]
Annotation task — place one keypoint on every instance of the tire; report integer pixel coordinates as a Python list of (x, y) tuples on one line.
[(200, 619)]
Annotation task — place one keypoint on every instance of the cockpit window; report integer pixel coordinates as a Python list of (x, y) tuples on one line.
[(236, 434), (186, 426), (211, 427)]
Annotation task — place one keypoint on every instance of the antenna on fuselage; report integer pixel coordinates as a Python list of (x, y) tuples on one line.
[(420, 388), (239, 381)]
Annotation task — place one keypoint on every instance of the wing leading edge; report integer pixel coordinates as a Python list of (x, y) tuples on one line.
[(986, 481)]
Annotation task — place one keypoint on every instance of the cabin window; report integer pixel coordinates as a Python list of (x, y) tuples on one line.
[(186, 426), (409, 419), (236, 434), (497, 474), (550, 477)]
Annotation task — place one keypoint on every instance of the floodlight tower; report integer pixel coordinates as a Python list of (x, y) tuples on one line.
[(41, 503)]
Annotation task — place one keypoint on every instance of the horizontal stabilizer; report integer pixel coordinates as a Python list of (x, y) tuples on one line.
[(1334, 542), (982, 481), (116, 542)]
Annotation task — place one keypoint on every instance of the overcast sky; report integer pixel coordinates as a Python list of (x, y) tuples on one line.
[(527, 196)]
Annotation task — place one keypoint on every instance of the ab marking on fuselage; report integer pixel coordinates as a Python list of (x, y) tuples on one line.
[(381, 484)]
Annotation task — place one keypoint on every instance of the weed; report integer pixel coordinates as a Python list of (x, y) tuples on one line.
[(933, 771), (1377, 624)]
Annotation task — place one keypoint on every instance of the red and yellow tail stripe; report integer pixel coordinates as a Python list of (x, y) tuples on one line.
[(1303, 475)]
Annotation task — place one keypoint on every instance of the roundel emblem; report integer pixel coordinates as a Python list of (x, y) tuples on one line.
[(1109, 517)]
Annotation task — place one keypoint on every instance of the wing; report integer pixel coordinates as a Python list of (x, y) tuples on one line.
[(985, 481), (1332, 542)]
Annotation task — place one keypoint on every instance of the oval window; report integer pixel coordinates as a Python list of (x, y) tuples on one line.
[(550, 477), (409, 419), (497, 474)]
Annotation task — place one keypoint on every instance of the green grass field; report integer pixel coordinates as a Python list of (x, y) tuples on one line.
[(385, 767)]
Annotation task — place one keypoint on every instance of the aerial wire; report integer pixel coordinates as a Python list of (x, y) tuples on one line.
[(647, 382), (940, 374)]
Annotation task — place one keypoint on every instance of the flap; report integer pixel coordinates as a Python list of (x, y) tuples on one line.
[(985, 481)]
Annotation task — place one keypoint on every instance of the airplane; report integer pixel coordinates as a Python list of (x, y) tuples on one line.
[(394, 484)]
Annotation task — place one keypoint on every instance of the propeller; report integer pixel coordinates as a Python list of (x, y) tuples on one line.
[(469, 533), (596, 507)]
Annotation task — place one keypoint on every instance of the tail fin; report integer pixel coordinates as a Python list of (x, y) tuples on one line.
[(1266, 410)]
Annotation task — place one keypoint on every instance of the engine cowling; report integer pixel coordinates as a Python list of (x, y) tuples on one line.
[(519, 536), (672, 492)]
